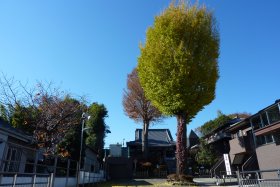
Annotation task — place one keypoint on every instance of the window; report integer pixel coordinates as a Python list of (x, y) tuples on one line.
[(256, 122), (261, 140), (12, 161), (268, 138), (273, 114), (264, 119)]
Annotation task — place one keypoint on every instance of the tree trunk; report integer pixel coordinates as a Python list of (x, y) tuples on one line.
[(145, 140), (181, 145)]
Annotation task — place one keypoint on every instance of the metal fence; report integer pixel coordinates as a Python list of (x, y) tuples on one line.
[(262, 178), (222, 178)]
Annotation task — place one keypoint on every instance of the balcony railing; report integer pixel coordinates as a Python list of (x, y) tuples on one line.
[(218, 136)]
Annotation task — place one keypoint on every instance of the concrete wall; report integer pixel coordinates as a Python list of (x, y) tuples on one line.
[(86, 177), (90, 160), (237, 145), (119, 168), (268, 158)]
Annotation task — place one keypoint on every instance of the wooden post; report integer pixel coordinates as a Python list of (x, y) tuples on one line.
[(54, 171), (1, 176), (15, 180), (50, 180), (34, 180), (77, 174), (67, 175), (36, 162)]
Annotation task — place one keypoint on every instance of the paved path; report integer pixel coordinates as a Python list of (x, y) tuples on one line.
[(210, 182)]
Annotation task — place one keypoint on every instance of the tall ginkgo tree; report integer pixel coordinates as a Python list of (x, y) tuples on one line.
[(139, 108), (178, 67)]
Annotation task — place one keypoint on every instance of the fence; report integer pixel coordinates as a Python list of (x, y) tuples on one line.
[(52, 172), (25, 179), (263, 178), (224, 179)]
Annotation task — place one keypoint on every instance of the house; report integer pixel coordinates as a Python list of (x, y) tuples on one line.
[(91, 163), (160, 144), (266, 129), (255, 141), (192, 148), (219, 139), (242, 147), (161, 147), (15, 149), (192, 140)]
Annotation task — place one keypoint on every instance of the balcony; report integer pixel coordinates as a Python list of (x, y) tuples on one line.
[(218, 136)]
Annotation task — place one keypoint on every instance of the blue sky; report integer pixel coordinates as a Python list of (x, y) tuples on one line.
[(88, 47)]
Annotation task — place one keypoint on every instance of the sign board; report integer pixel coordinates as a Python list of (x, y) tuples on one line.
[(227, 164)]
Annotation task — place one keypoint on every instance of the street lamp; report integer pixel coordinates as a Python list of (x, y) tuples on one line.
[(85, 117)]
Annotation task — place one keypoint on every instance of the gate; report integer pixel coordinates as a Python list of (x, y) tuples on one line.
[(25, 179), (263, 178)]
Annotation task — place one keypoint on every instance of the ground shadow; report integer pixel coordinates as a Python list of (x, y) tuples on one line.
[(121, 183)]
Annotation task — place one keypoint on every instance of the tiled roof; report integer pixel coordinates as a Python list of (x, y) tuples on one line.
[(156, 138)]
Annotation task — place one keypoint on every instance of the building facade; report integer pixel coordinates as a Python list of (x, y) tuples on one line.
[(15, 149), (266, 128), (161, 147)]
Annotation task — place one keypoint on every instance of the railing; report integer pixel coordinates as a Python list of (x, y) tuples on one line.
[(250, 164), (218, 136), (224, 179), (213, 169), (263, 178), (25, 179)]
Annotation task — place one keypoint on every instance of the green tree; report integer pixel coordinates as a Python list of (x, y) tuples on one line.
[(209, 126), (4, 113), (97, 128), (24, 117), (205, 155), (220, 120), (139, 108), (70, 144), (178, 67)]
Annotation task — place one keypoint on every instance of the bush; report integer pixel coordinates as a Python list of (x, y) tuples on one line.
[(172, 177), (185, 178), (180, 179)]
